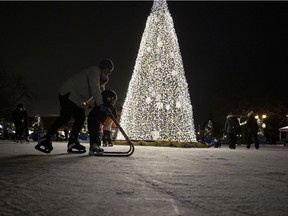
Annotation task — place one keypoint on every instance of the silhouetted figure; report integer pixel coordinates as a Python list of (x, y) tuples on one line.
[(252, 130), (232, 129), (83, 88), (20, 120), (66, 133)]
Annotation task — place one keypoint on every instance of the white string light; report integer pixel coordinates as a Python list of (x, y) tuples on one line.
[(157, 105)]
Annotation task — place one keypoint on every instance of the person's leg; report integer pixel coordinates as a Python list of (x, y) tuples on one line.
[(26, 133), (66, 112), (73, 143), (105, 137), (233, 141), (21, 133), (44, 143), (255, 137), (109, 138), (248, 139), (95, 119), (230, 140), (94, 126), (79, 117), (17, 133)]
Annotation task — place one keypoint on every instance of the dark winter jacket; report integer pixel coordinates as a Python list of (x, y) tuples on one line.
[(251, 124), (232, 124), (20, 117)]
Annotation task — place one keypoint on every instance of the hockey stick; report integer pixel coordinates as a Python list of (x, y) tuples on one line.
[(131, 145)]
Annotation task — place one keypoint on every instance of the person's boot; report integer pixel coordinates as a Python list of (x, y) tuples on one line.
[(44, 144), (95, 149), (74, 146), (104, 140)]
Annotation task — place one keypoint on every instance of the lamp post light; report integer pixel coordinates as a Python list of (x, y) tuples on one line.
[(260, 121), (287, 118), (262, 125), (263, 118)]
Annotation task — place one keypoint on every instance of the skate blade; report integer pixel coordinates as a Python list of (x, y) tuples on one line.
[(96, 153), (75, 151), (38, 147)]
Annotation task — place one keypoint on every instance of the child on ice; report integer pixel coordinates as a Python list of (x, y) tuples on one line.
[(107, 132)]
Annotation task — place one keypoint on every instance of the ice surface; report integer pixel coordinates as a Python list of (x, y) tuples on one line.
[(153, 181)]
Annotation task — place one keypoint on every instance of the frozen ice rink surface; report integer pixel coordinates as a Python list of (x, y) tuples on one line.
[(156, 181)]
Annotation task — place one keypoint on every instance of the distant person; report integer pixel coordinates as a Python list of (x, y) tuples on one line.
[(78, 91), (216, 143), (20, 120), (251, 130), (107, 131), (10, 132), (232, 129), (66, 133)]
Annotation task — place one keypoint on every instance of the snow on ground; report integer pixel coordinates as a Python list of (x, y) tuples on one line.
[(153, 181)]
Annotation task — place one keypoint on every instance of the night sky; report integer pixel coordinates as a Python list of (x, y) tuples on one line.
[(233, 52)]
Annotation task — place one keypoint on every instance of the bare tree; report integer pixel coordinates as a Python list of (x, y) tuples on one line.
[(14, 89)]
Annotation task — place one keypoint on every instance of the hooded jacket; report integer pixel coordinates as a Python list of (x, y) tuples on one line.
[(232, 124)]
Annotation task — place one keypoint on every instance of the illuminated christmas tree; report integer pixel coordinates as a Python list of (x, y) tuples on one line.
[(157, 104)]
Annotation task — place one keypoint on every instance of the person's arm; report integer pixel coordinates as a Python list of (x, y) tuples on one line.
[(225, 125), (88, 105), (95, 86)]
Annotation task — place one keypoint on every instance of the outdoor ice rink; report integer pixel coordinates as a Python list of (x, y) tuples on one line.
[(156, 181)]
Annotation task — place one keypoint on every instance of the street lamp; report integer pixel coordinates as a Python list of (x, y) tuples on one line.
[(263, 123), (260, 121)]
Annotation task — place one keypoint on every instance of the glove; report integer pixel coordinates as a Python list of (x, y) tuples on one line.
[(114, 112), (104, 109)]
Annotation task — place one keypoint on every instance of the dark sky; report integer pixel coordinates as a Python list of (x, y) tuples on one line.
[(232, 51)]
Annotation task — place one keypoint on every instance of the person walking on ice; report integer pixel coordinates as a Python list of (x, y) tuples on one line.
[(232, 127), (252, 130), (77, 92), (20, 120)]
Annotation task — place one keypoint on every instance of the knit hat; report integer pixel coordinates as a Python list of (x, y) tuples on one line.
[(107, 63)]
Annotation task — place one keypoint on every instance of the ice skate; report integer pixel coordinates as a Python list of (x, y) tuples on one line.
[(95, 150), (44, 145), (74, 146), (107, 142), (104, 143)]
